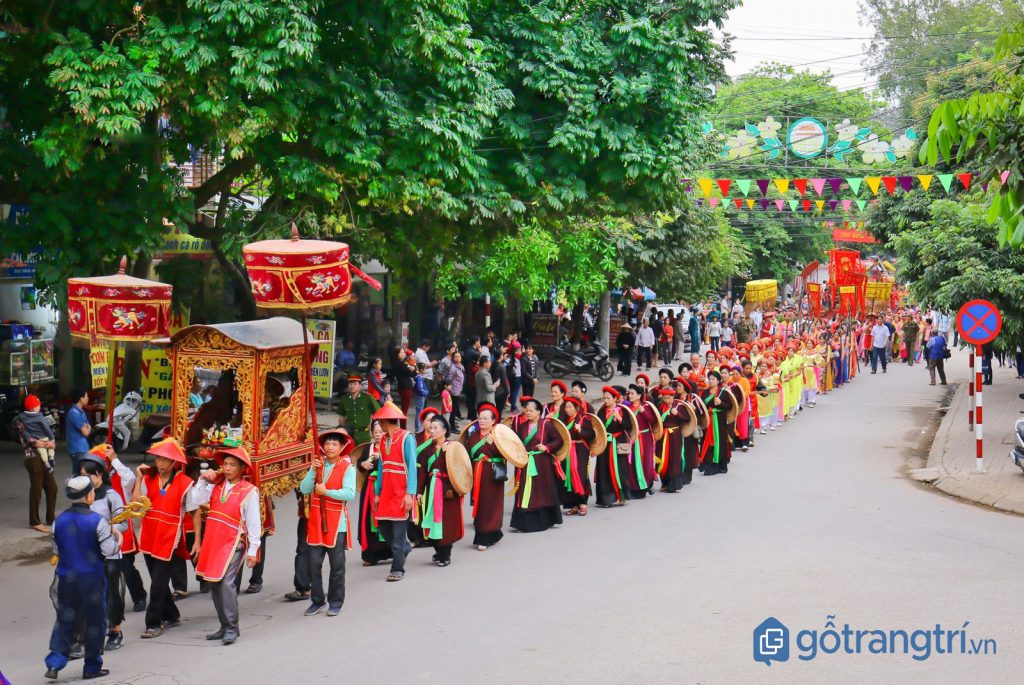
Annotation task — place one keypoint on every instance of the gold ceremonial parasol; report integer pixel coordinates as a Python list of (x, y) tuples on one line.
[(460, 469)]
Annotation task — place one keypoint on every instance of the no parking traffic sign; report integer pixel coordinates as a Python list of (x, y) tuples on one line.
[(979, 322)]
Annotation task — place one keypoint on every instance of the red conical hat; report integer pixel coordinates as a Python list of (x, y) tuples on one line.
[(238, 453), (169, 448), (388, 412)]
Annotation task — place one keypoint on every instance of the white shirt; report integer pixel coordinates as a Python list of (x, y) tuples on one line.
[(737, 309), (645, 337), (756, 316), (714, 329), (421, 357), (203, 489), (880, 335), (727, 334)]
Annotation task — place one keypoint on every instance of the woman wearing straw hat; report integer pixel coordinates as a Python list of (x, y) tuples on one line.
[(440, 504), (536, 503), (489, 476), (375, 548)]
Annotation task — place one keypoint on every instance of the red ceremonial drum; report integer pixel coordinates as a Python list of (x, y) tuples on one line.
[(118, 308), (306, 275)]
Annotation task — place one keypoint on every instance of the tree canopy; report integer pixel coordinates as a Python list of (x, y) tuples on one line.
[(416, 130)]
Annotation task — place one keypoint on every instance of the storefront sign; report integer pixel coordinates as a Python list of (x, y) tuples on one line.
[(323, 363), (544, 329)]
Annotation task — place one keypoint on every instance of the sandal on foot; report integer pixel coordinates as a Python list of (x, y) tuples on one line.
[(583, 511), (395, 577), (150, 633)]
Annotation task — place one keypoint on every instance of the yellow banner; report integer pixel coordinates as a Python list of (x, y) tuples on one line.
[(323, 362), (99, 363)]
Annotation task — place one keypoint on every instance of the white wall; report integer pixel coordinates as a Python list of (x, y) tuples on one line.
[(42, 317)]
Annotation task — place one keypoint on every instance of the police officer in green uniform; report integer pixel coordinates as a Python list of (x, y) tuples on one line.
[(355, 409)]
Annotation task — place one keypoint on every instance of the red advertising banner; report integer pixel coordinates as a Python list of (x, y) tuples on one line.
[(852, 235)]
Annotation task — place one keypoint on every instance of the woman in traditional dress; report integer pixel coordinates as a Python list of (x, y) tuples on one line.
[(440, 505), (556, 407), (640, 479), (810, 376), (536, 504), (489, 476), (765, 409), (423, 442), (669, 449), (374, 548), (608, 483), (574, 492), (716, 452)]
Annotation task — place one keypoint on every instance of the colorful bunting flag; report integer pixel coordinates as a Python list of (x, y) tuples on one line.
[(832, 204), (861, 204), (744, 185), (793, 204), (764, 204), (762, 185), (925, 180), (945, 180), (1003, 176), (820, 204), (906, 182), (738, 202), (807, 205), (890, 184), (713, 201), (855, 184), (705, 186), (818, 184), (723, 185), (750, 203), (873, 183), (800, 184), (965, 178), (846, 205), (836, 184), (779, 203), (782, 184)]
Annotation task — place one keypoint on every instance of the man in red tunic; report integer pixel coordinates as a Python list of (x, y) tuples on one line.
[(160, 536), (394, 497), (328, 531), (231, 535)]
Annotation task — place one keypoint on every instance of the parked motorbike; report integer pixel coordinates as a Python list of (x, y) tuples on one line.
[(592, 359), (126, 423), (1017, 453)]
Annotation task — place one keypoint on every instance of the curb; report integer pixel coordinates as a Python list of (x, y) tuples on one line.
[(25, 548)]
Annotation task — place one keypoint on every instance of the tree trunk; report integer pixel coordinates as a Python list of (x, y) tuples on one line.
[(603, 320)]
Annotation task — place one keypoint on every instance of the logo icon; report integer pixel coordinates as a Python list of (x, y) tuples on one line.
[(771, 641)]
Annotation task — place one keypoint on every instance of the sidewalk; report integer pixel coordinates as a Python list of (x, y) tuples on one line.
[(951, 461)]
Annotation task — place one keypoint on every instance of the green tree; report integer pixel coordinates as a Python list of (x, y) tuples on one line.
[(417, 130), (985, 131), (913, 41), (954, 256)]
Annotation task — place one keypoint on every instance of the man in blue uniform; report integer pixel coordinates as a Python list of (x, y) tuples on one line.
[(82, 539)]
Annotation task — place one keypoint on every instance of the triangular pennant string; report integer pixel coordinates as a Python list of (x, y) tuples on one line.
[(705, 186), (873, 183), (744, 185), (855, 184), (836, 184), (723, 185), (800, 184), (779, 203), (965, 178), (890, 184), (846, 205), (782, 184), (945, 180), (906, 182), (819, 185), (925, 180), (762, 185)]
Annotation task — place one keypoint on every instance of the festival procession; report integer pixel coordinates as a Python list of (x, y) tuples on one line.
[(508, 342)]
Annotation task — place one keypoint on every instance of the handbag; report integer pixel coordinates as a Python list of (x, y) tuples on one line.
[(946, 354), (500, 470)]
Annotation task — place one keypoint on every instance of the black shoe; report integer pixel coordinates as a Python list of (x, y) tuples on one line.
[(139, 606), (443, 563), (114, 641), (230, 636), (219, 635), (254, 588), (77, 652), (52, 674), (96, 674), (204, 587)]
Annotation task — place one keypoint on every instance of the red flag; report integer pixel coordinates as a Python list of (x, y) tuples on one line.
[(890, 184), (738, 202), (800, 184), (807, 205), (723, 185), (965, 178)]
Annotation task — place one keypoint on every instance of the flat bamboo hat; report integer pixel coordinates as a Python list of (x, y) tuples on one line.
[(510, 446), (460, 469), (600, 441)]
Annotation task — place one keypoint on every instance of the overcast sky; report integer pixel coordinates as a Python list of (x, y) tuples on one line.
[(795, 21)]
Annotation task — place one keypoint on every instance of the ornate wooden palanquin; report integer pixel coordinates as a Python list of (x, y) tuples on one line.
[(252, 350)]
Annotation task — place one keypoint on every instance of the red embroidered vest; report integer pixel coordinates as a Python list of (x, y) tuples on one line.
[(224, 527), (332, 509), (161, 526), (394, 479)]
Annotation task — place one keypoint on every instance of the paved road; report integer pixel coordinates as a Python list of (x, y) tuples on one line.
[(817, 520)]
